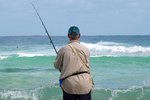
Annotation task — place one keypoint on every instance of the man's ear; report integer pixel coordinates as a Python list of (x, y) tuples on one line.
[(79, 36), (69, 36)]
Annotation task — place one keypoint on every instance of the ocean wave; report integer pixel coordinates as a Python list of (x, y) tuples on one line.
[(54, 93), (35, 53), (25, 70), (146, 83), (116, 49), (131, 93), (109, 49), (16, 94), (29, 54), (3, 57), (39, 93)]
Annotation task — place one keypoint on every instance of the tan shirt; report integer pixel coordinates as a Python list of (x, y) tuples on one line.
[(68, 63)]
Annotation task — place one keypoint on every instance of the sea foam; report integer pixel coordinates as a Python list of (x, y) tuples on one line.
[(116, 49), (96, 49), (3, 57), (9, 94), (29, 54)]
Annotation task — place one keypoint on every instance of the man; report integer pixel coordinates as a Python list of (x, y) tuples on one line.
[(73, 63)]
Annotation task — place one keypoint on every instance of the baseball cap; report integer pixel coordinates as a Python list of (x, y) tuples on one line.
[(74, 29)]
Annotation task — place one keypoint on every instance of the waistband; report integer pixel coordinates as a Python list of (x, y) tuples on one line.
[(75, 74)]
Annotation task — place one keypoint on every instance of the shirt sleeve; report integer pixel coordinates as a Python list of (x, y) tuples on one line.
[(59, 60)]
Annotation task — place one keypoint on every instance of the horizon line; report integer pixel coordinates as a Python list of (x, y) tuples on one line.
[(81, 35)]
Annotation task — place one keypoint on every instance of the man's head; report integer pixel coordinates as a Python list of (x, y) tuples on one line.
[(74, 33)]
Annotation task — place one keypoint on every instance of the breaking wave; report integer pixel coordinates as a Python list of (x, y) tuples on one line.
[(3, 57), (96, 49), (54, 93), (116, 49)]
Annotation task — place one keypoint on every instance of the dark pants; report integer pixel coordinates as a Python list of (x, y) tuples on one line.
[(67, 96)]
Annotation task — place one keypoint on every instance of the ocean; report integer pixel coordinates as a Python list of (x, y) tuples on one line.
[(120, 66)]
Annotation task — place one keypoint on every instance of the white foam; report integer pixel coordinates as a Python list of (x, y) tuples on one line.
[(29, 54), (3, 57), (18, 95), (116, 49), (115, 92), (98, 49), (146, 83)]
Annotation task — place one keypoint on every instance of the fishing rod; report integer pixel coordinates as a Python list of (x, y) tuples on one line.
[(44, 27)]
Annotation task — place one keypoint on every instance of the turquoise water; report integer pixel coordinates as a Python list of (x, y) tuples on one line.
[(120, 67)]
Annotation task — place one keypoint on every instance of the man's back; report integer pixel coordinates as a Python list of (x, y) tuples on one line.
[(73, 63)]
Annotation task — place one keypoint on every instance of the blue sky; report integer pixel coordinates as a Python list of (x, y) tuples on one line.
[(93, 17)]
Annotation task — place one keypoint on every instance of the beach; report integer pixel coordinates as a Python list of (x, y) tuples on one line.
[(120, 67)]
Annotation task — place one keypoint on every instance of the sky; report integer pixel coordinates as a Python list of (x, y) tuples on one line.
[(93, 17)]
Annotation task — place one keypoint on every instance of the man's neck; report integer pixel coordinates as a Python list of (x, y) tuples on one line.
[(73, 41)]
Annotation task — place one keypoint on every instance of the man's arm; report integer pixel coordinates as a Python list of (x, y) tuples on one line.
[(59, 60)]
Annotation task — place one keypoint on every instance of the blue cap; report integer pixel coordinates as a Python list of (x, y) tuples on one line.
[(74, 29)]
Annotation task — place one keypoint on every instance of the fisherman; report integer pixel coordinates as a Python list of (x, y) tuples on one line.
[(73, 63)]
